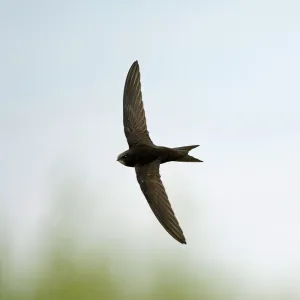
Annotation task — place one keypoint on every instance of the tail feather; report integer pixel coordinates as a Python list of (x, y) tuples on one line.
[(188, 148), (187, 157)]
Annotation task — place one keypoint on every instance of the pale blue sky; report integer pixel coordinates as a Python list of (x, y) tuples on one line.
[(225, 76)]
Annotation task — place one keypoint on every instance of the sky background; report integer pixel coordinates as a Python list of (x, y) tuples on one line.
[(222, 75)]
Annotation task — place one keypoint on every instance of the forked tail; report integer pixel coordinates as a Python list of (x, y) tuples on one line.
[(186, 157)]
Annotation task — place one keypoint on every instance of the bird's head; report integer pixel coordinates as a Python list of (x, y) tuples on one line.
[(123, 158)]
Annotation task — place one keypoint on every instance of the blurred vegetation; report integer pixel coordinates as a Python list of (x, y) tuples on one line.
[(66, 272), (63, 277)]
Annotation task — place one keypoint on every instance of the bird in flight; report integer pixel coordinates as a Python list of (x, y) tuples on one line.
[(146, 157)]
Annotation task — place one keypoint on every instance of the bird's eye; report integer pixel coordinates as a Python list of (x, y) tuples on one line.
[(125, 156)]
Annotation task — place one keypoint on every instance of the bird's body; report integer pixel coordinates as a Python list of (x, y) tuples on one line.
[(146, 157), (145, 154)]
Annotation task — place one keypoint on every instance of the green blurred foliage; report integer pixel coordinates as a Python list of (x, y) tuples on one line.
[(62, 273), (65, 272), (65, 278)]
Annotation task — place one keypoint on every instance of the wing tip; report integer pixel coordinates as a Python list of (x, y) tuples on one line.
[(134, 68), (183, 241), (135, 63)]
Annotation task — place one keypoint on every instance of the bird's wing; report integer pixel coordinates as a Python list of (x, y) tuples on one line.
[(134, 119), (151, 185)]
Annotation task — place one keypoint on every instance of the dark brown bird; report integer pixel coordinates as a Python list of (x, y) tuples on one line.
[(146, 157)]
